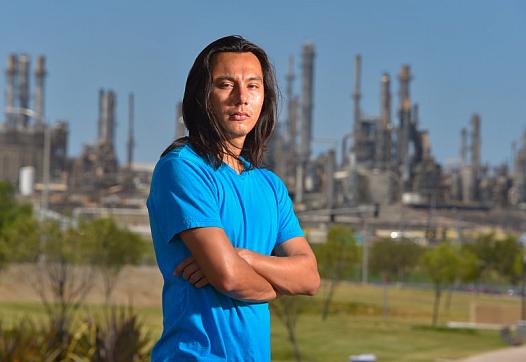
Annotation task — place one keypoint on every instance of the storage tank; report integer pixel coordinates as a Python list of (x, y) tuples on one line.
[(27, 180)]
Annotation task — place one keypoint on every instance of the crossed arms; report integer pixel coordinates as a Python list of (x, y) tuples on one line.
[(246, 275)]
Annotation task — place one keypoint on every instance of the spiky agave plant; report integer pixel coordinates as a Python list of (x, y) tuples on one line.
[(120, 338), (18, 342)]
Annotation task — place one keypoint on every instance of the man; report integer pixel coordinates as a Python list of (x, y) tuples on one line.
[(226, 238)]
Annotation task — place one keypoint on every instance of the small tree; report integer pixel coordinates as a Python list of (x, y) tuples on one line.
[(393, 259), (507, 250), (336, 259), (288, 309), (396, 258), (467, 268), (10, 209), (497, 257), (63, 278), (110, 248), (20, 240), (14, 224), (441, 263)]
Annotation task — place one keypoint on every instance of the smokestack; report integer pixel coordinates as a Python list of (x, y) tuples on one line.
[(307, 100), (475, 142), (356, 100), (40, 75), (292, 105), (405, 114), (180, 128), (107, 122), (11, 77), (111, 117), (23, 66), (405, 78), (464, 146), (475, 156), (100, 121), (131, 143), (386, 100), (307, 94), (383, 133)]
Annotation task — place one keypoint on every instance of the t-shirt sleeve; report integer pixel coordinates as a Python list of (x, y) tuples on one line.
[(184, 197), (289, 226)]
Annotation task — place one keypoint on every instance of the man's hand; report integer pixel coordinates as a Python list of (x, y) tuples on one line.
[(191, 272)]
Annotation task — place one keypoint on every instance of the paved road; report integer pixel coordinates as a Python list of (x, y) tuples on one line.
[(512, 354)]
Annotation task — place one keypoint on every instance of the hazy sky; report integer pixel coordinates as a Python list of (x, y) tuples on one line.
[(466, 56)]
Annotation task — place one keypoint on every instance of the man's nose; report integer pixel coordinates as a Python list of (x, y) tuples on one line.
[(241, 95)]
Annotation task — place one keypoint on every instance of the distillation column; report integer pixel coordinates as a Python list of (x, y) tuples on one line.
[(356, 104), (131, 142), (292, 129), (23, 95), (306, 116), (292, 105), (383, 143), (107, 119), (11, 78), (475, 156), (404, 112), (40, 76), (101, 112), (463, 146)]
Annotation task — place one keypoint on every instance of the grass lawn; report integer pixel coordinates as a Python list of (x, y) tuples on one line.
[(357, 326), (394, 340)]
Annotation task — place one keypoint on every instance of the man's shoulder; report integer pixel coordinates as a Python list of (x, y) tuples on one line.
[(181, 156), (270, 177)]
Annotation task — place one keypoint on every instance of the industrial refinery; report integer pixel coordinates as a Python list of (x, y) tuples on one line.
[(382, 179)]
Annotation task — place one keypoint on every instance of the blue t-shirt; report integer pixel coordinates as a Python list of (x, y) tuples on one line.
[(256, 213)]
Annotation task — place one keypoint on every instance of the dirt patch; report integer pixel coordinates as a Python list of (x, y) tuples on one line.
[(138, 285)]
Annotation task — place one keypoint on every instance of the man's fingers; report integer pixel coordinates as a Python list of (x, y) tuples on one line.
[(195, 277), (182, 265), (201, 283), (190, 270)]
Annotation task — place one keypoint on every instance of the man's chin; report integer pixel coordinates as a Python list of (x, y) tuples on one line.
[(236, 139)]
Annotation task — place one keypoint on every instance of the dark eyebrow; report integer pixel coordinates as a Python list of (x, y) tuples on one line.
[(256, 77), (231, 78), (224, 77)]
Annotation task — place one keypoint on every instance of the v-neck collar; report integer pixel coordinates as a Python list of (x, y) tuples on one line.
[(243, 172)]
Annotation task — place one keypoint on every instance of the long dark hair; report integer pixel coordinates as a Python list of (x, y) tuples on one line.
[(205, 132)]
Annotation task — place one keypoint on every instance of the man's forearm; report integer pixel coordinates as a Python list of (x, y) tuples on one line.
[(241, 281), (220, 264), (249, 286), (296, 274)]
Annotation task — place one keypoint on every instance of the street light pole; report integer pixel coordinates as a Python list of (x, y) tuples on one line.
[(365, 251), (44, 201)]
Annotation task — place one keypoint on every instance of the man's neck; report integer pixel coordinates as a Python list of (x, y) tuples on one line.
[(234, 162), (237, 165)]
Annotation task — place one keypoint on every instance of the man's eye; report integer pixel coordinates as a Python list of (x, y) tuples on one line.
[(253, 86), (225, 85)]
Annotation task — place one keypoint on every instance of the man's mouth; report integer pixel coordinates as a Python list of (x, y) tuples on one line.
[(239, 116)]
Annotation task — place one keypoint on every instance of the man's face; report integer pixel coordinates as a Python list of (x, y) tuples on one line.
[(237, 94)]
